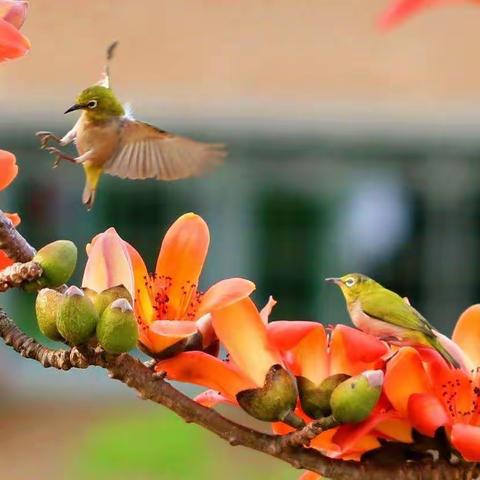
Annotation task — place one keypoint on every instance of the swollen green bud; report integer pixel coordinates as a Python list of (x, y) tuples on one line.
[(315, 399), (103, 299), (76, 318), (58, 260), (354, 399), (275, 401), (117, 330), (46, 308)]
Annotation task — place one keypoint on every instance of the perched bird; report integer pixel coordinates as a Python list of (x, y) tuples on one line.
[(110, 140), (382, 313)]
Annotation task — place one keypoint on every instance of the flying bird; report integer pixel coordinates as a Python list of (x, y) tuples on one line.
[(382, 313), (109, 140)]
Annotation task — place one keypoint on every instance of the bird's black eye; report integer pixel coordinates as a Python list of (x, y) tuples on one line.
[(349, 282), (92, 104)]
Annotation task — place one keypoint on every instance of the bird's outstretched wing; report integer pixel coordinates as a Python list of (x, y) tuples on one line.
[(148, 152), (389, 307)]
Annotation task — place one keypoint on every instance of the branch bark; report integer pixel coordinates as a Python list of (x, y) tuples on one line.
[(18, 274), (151, 386), (12, 243)]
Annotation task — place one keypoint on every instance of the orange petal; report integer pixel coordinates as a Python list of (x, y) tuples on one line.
[(309, 358), (181, 257), (14, 12), (310, 476), (12, 43), (427, 413), (143, 302), (467, 334), (4, 260), (211, 398), (14, 218), (397, 429), (242, 331), (405, 376), (162, 334), (285, 334), (224, 293), (108, 263), (202, 369), (8, 165), (466, 439), (353, 351), (401, 10)]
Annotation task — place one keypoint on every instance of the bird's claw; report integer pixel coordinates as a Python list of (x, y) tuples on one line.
[(59, 155), (45, 137)]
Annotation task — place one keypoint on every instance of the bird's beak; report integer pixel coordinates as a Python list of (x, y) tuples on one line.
[(77, 106), (335, 281)]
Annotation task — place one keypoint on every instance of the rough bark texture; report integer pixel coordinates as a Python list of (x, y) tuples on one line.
[(18, 274), (12, 243)]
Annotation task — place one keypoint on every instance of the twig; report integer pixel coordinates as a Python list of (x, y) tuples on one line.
[(18, 274), (12, 243), (308, 433)]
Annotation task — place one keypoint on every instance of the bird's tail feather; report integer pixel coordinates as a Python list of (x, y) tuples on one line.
[(88, 196)]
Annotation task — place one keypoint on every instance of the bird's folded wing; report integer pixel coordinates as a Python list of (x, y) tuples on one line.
[(148, 152), (391, 308)]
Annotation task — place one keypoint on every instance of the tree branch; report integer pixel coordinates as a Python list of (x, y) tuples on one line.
[(151, 386), (12, 243), (18, 274)]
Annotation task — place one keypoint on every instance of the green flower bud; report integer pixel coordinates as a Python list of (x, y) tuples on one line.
[(117, 330), (76, 317), (58, 260), (354, 399), (275, 401), (315, 399), (103, 299), (46, 309)]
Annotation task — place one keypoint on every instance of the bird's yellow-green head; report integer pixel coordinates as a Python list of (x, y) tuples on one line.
[(353, 285), (99, 103)]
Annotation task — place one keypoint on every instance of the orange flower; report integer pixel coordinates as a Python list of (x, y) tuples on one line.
[(12, 43), (304, 349), (437, 396), (309, 352), (8, 172), (403, 9), (168, 304)]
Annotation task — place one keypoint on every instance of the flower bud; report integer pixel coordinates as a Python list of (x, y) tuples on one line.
[(58, 260), (275, 401), (354, 399), (46, 308), (315, 399), (76, 317), (117, 330), (103, 299)]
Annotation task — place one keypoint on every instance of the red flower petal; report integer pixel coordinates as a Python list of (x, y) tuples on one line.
[(284, 334), (4, 260), (8, 166), (14, 12), (202, 369), (12, 43), (162, 334), (405, 376), (467, 334), (401, 10), (466, 439), (427, 413)]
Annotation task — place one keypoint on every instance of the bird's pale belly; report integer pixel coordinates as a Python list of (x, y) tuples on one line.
[(373, 326)]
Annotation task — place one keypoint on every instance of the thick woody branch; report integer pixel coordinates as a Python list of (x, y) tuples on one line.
[(12, 243), (151, 386), (18, 274), (305, 435)]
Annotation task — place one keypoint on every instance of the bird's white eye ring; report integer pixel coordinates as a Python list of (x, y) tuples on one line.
[(349, 282), (92, 104)]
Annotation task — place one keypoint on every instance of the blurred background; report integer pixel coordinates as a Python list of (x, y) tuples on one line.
[(350, 150)]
